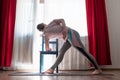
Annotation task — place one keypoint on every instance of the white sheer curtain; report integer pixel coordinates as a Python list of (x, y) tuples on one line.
[(23, 37)]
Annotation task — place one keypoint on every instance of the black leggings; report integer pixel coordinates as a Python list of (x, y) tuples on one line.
[(88, 56), (65, 47)]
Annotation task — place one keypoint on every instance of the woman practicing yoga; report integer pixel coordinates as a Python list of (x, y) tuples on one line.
[(58, 29)]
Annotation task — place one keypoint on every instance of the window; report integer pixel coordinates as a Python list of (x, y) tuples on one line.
[(73, 11)]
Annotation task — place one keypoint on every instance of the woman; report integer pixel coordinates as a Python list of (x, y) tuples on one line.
[(58, 29)]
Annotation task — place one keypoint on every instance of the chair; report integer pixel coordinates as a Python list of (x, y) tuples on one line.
[(43, 52)]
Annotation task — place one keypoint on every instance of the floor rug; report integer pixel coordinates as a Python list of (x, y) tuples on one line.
[(56, 74)]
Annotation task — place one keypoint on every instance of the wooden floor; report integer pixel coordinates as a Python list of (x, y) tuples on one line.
[(115, 76)]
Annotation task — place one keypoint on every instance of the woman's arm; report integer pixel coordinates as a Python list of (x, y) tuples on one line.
[(61, 22), (47, 43)]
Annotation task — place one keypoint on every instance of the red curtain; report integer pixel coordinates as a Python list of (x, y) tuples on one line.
[(7, 23), (98, 31)]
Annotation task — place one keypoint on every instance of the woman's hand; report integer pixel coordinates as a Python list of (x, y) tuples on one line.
[(49, 49), (58, 21)]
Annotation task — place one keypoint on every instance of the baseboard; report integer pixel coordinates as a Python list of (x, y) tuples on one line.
[(105, 69)]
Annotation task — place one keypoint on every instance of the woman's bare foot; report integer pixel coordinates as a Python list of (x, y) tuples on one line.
[(96, 72), (49, 71)]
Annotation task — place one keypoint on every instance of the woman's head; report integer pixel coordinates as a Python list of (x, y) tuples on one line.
[(41, 26)]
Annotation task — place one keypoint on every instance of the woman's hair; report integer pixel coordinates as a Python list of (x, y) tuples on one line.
[(40, 26)]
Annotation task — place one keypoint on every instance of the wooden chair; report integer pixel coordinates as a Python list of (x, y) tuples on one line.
[(43, 52)]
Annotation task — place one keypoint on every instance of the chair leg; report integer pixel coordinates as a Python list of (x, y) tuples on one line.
[(57, 69), (40, 62)]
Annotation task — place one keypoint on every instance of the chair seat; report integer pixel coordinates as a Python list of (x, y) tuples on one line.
[(48, 52)]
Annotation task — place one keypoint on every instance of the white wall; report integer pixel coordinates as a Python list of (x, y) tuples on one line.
[(113, 14)]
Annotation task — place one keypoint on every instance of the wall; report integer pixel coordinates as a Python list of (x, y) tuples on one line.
[(113, 14)]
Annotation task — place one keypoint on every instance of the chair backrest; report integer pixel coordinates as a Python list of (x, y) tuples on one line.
[(52, 43)]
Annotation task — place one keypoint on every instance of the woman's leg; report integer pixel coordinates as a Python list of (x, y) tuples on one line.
[(87, 54), (89, 57), (64, 48)]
